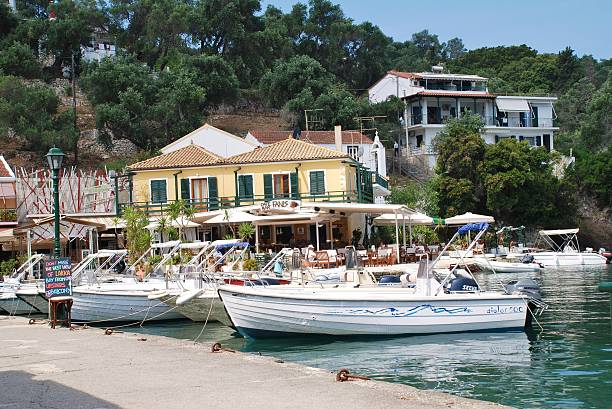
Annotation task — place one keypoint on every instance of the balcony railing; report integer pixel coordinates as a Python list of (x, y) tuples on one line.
[(488, 120), (422, 150), (380, 180), (157, 209)]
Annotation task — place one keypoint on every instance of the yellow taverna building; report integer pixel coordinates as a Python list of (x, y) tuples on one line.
[(290, 169)]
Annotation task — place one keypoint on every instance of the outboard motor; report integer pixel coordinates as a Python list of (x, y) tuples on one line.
[(531, 289), (463, 284), (525, 286)]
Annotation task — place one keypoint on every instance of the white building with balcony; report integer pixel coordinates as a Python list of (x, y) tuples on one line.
[(431, 98)]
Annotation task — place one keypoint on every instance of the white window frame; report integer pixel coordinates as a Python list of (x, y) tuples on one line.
[(151, 191), (324, 180), (348, 151), (284, 172)]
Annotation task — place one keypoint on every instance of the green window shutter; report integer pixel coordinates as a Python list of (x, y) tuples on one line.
[(268, 189), (317, 182), (245, 187), (158, 191), (213, 194), (295, 189), (185, 190)]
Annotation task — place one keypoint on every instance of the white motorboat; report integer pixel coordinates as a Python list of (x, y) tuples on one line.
[(125, 298), (22, 279), (566, 254), (434, 305), (93, 265), (506, 266), (120, 302)]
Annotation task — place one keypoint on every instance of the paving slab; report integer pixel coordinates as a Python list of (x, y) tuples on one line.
[(63, 369)]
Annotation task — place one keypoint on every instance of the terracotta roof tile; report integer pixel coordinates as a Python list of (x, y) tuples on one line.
[(268, 137), (189, 156), (287, 150)]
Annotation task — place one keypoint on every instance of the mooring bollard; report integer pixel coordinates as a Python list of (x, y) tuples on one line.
[(344, 375), (216, 347)]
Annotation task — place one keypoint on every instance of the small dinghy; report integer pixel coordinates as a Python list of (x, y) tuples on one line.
[(526, 266)]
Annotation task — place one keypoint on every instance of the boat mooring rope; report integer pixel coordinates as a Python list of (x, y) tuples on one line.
[(212, 301)]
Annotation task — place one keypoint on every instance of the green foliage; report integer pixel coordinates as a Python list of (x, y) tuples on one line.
[(250, 264), (246, 231), (461, 149), (418, 196), (32, 112), (149, 110), (181, 213), (510, 180), (299, 76), (8, 266), (18, 59), (137, 236), (520, 187), (593, 172)]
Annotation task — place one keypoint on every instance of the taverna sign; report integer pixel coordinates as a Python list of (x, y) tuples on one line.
[(282, 205)]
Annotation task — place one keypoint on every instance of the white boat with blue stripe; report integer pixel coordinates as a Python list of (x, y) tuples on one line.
[(425, 303)]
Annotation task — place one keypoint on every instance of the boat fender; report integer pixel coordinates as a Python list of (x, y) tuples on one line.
[(156, 295), (188, 296)]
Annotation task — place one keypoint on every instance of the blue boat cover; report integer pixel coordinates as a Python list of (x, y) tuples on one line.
[(230, 245), (473, 227)]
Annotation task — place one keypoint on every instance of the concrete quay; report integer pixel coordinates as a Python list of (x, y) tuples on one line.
[(86, 369)]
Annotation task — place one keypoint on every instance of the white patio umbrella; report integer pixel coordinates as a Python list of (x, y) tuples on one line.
[(414, 219), (232, 217), (468, 218), (180, 222)]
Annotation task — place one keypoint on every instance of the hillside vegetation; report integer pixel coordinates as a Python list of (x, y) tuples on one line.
[(181, 61)]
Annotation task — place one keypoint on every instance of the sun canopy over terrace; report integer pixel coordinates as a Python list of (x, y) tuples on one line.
[(468, 217)]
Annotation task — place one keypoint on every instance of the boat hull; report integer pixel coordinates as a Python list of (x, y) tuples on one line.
[(34, 298), (505, 267), (260, 313), (198, 309), (91, 306), (12, 305), (555, 259)]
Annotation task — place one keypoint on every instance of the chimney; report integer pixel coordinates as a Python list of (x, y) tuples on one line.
[(338, 137)]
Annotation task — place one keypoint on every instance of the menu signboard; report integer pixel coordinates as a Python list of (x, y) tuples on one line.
[(58, 277)]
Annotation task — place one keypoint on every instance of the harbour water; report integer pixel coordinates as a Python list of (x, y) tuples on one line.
[(566, 365)]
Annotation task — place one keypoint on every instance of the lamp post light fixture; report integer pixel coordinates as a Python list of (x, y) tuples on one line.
[(55, 156)]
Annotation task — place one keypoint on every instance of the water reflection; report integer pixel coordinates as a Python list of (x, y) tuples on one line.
[(567, 365)]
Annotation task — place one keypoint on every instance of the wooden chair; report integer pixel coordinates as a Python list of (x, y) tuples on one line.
[(321, 259)]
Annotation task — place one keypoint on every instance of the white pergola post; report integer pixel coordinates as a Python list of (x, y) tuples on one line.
[(396, 238), (29, 236), (317, 233), (404, 230), (410, 228), (256, 237)]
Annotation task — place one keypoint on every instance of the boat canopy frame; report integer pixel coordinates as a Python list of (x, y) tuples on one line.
[(569, 237)]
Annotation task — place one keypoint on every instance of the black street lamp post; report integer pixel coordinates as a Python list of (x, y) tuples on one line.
[(54, 159)]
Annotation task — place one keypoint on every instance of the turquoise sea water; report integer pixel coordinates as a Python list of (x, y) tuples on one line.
[(566, 365)]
